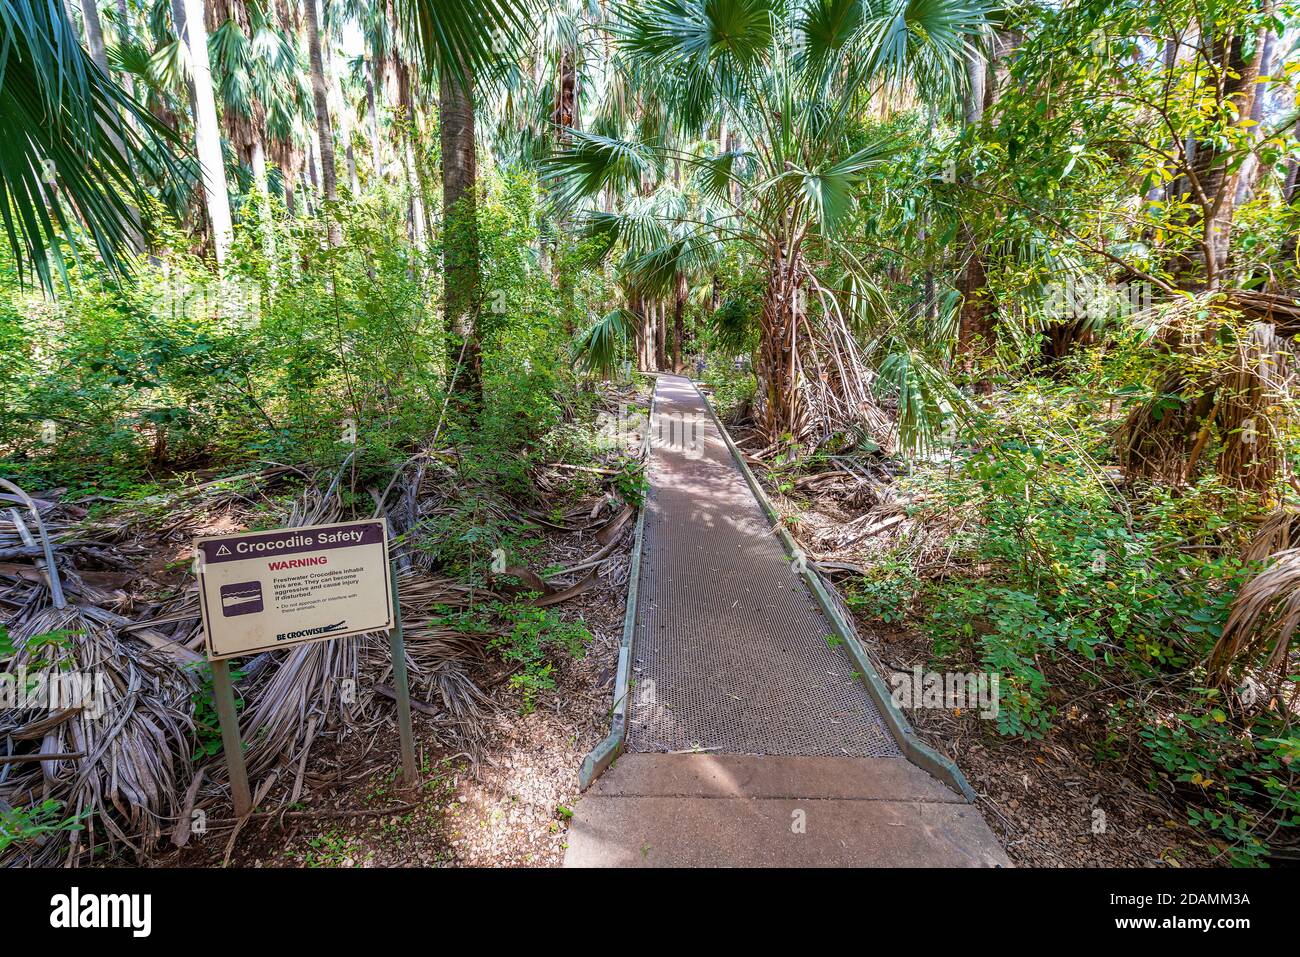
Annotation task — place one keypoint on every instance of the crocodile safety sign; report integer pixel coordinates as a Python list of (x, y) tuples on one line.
[(266, 590)]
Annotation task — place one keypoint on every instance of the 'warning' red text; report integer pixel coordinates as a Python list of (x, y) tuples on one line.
[(297, 563)]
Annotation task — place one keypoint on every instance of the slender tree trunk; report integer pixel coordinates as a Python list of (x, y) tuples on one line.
[(639, 330), (265, 219), (207, 131), (288, 176), (460, 231), (565, 117), (1235, 80), (1250, 169), (975, 323), (410, 161), (94, 34), (95, 41), (661, 335), (679, 320), (1244, 92), (345, 120), (124, 35), (373, 116), (324, 128)]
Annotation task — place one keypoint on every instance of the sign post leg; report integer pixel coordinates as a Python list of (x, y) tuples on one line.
[(401, 685), (223, 696)]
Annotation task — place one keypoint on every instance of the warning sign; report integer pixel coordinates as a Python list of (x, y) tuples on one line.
[(265, 590)]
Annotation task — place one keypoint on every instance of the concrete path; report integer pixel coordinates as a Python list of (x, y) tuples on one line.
[(776, 753)]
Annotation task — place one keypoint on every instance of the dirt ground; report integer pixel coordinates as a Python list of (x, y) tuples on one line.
[(1050, 802)]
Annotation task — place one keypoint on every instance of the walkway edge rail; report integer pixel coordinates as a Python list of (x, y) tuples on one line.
[(915, 750), (602, 755)]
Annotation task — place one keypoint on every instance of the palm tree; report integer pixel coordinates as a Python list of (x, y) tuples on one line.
[(207, 132), (62, 173), (462, 38), (320, 100), (789, 196)]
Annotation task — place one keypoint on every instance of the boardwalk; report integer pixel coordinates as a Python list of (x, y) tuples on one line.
[(751, 740)]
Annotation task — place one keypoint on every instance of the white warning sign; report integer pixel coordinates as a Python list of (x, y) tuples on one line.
[(266, 590)]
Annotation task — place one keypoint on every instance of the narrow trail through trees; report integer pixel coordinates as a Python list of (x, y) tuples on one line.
[(751, 739)]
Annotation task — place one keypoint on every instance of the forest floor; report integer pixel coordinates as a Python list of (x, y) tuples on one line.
[(510, 688), (507, 800), (1051, 802)]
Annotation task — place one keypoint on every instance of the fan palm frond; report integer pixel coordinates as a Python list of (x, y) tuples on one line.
[(599, 348), (65, 156)]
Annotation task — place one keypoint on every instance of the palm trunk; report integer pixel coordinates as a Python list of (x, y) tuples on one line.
[(345, 122), (460, 231), (780, 392), (566, 115), (207, 132), (1250, 168), (324, 128), (124, 15), (98, 53), (661, 336), (679, 320), (975, 325), (410, 163), (565, 118), (373, 116), (1215, 201)]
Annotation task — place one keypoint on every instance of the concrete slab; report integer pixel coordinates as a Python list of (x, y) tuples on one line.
[(770, 776), (777, 832), (752, 743)]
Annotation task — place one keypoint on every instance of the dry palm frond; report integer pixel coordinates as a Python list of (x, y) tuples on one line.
[(131, 744), (128, 770), (834, 377), (1263, 620), (1276, 309), (1278, 532), (1250, 399), (1245, 400)]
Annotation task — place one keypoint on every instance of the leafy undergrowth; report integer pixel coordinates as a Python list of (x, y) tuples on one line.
[(1096, 606)]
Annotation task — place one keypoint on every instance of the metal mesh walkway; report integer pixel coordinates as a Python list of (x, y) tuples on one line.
[(730, 651)]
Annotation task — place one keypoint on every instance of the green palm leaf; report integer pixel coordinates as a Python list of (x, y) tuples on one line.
[(468, 36), (598, 349), (62, 174)]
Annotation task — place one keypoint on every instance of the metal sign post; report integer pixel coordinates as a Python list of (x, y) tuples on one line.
[(223, 696), (401, 685)]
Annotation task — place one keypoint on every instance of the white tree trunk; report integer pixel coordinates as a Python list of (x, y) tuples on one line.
[(207, 132), (377, 160)]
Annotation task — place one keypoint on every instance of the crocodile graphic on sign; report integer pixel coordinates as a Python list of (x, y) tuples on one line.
[(241, 598)]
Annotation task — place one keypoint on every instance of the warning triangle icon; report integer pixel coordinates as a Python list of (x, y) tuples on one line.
[(223, 550)]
